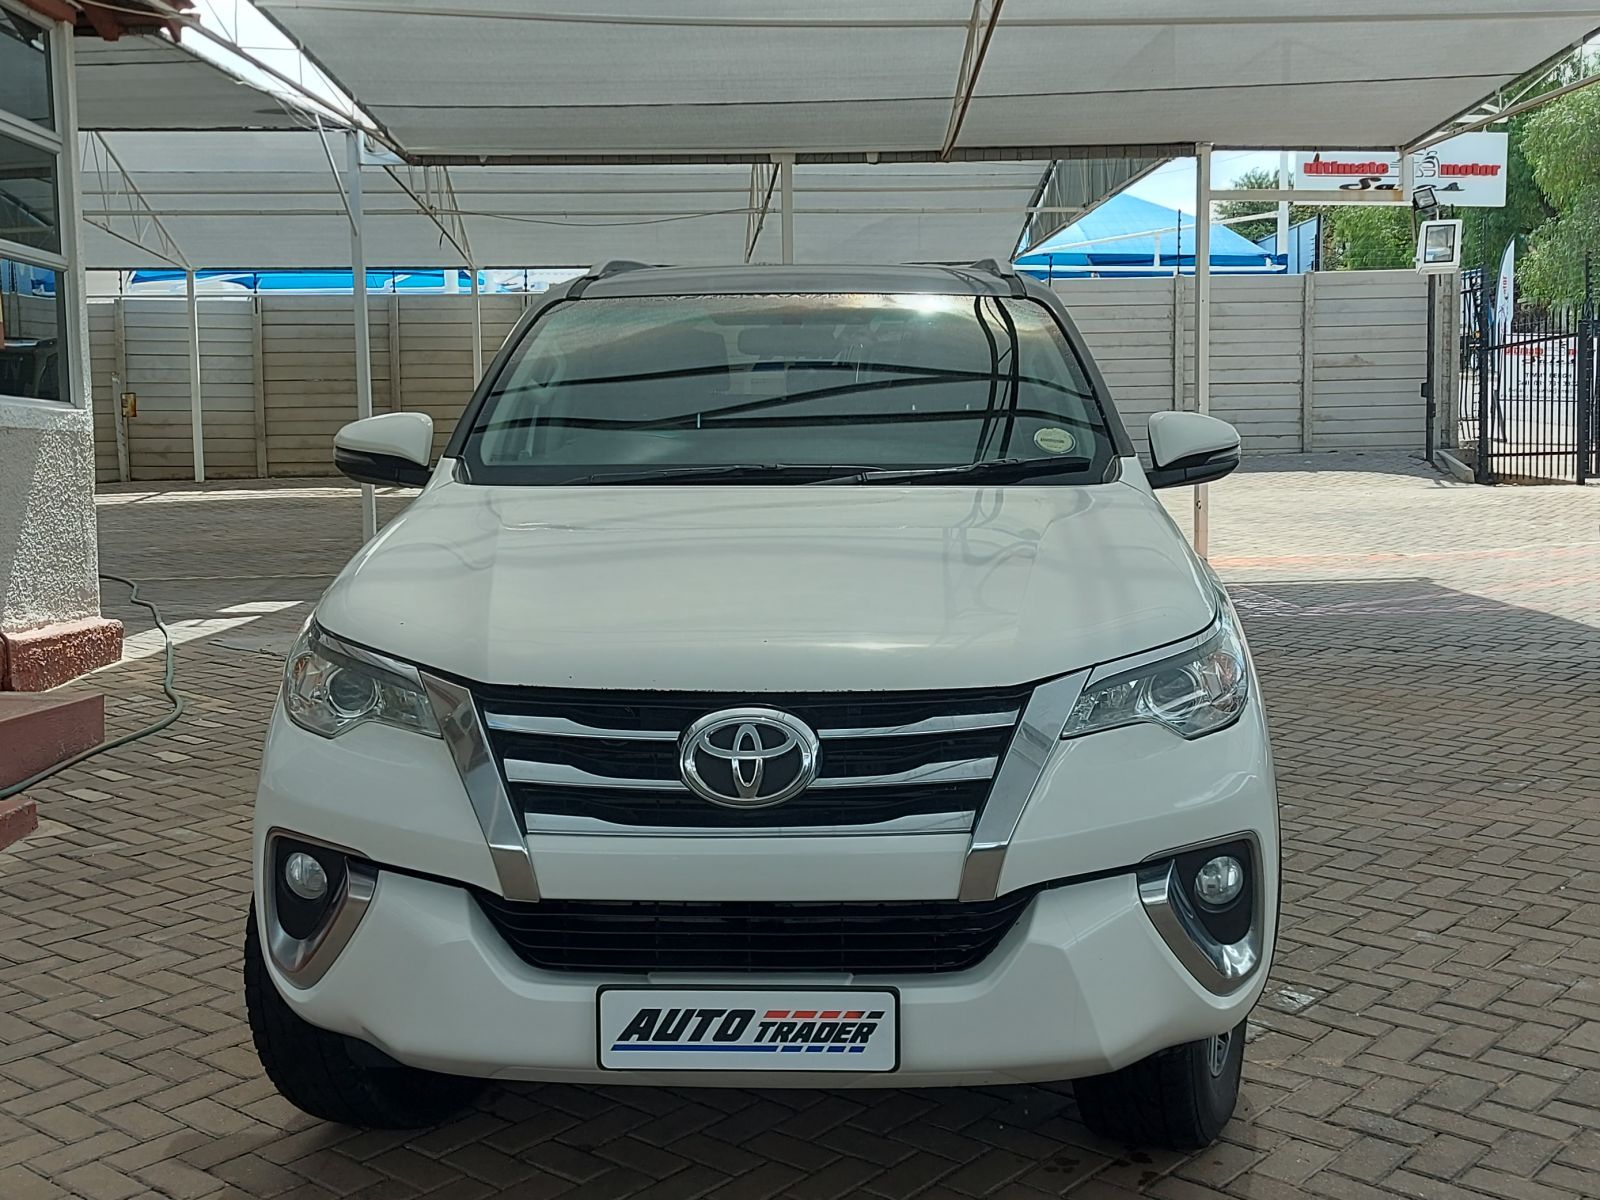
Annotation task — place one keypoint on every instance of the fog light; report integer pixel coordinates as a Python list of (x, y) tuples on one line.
[(1219, 881), (305, 876)]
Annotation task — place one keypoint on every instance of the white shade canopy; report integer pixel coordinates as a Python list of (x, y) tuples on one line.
[(149, 82), (271, 200), (533, 79)]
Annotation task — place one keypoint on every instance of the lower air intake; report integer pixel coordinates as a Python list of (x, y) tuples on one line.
[(869, 938)]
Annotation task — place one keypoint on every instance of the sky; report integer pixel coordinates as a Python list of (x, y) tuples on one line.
[(1172, 184)]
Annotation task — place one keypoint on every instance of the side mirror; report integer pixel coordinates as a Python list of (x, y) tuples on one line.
[(393, 449), (1188, 447)]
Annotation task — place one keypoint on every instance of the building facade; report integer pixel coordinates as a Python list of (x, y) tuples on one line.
[(50, 624)]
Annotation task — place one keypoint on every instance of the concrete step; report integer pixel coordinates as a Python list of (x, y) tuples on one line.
[(38, 730)]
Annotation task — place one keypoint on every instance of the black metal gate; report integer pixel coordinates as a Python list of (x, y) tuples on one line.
[(1530, 393)]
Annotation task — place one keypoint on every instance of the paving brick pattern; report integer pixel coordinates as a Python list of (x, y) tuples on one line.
[(1431, 654)]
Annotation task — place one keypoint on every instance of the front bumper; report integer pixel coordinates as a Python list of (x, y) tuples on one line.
[(1082, 984), (1092, 977)]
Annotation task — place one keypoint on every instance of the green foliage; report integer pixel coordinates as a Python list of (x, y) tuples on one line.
[(1485, 231), (1552, 269), (1367, 237), (1561, 142), (1268, 225)]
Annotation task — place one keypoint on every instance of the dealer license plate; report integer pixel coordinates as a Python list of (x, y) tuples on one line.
[(748, 1029)]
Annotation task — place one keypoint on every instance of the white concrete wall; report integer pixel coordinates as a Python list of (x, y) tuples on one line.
[(1330, 362), (48, 557)]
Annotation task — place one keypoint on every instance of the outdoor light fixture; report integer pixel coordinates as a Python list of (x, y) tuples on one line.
[(1438, 247), (1425, 200)]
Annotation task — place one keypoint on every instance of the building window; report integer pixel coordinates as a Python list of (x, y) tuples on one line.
[(24, 70), (33, 324), (29, 205)]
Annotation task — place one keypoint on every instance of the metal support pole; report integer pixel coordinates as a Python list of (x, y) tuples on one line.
[(196, 423), (1431, 377), (477, 329), (1283, 209), (1202, 326), (358, 280), (786, 199), (1480, 471)]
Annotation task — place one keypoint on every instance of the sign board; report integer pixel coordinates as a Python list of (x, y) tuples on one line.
[(1468, 170)]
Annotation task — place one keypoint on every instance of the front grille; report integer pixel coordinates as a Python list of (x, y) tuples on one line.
[(576, 760), (634, 937)]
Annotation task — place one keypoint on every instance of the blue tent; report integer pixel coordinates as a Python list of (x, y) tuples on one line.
[(306, 281), (1127, 236)]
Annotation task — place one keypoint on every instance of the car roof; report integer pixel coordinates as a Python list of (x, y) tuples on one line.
[(632, 279)]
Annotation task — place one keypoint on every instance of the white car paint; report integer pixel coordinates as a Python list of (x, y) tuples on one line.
[(750, 593), (818, 588)]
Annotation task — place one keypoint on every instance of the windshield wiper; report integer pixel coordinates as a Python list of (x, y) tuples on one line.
[(995, 470), (723, 473)]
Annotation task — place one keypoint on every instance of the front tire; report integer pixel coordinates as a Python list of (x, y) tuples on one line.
[(1178, 1099), (320, 1072)]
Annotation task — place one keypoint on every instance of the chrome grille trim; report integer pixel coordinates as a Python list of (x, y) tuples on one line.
[(521, 770), (562, 727), (964, 771), (954, 822), (585, 761), (1036, 738), (501, 822), (955, 724)]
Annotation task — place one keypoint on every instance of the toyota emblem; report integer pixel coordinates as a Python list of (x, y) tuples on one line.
[(748, 757)]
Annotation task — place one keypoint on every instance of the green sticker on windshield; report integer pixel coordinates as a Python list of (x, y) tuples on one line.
[(1052, 440)]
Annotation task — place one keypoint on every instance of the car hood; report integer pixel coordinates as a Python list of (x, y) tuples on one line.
[(771, 589)]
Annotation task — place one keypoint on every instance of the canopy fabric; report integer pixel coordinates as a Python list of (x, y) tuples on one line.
[(647, 79), (149, 82), (270, 200)]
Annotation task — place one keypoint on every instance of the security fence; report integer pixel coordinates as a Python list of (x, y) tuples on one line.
[(1528, 389)]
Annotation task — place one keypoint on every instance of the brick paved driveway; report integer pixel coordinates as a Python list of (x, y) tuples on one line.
[(1431, 654)]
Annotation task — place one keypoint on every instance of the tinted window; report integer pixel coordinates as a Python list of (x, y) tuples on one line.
[(28, 196), (33, 318), (24, 69), (889, 381)]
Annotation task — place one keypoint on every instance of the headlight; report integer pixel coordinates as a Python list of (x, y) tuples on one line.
[(329, 688), (1196, 692)]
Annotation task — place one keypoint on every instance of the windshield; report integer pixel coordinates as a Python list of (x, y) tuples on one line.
[(793, 388)]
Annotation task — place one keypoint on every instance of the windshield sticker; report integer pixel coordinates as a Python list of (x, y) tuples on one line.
[(1054, 440)]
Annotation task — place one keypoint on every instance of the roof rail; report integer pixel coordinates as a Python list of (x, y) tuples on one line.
[(1006, 271), (613, 266)]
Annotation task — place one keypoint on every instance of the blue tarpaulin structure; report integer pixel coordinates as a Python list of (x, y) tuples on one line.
[(1127, 236), (300, 281), (1302, 246)]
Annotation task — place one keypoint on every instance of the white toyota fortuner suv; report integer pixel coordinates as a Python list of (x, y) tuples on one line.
[(785, 677)]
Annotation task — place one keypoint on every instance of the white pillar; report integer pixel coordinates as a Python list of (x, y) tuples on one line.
[(786, 198), (358, 280), (196, 423), (477, 329), (1283, 206), (1202, 326)]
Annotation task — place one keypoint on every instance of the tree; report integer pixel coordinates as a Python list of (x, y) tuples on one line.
[(1562, 144), (1268, 225), (1369, 237)]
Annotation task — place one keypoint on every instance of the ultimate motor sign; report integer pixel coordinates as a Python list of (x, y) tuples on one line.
[(1466, 171)]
